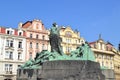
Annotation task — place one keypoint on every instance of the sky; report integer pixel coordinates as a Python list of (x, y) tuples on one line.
[(89, 17)]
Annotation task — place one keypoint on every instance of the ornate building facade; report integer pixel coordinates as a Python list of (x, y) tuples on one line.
[(103, 53), (70, 39), (12, 52), (36, 37), (117, 63), (107, 56)]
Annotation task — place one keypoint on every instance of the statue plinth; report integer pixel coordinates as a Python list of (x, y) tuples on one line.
[(64, 70)]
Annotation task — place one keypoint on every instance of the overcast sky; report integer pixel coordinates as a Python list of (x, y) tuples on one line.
[(90, 17)]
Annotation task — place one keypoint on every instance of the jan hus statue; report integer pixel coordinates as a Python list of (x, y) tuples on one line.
[(55, 40)]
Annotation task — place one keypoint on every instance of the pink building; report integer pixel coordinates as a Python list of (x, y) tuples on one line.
[(36, 37)]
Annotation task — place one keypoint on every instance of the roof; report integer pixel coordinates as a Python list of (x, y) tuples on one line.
[(26, 24), (92, 42), (109, 43)]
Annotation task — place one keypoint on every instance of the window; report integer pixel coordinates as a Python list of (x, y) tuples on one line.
[(79, 40), (9, 55), (37, 46), (111, 65), (19, 66), (20, 33), (9, 32), (102, 63), (76, 41), (37, 36), (82, 42), (20, 44), (111, 58), (9, 43), (30, 55), (68, 34), (102, 56), (8, 67), (19, 56), (68, 49), (30, 44), (43, 37), (30, 35), (43, 45), (106, 63), (37, 26), (96, 55), (68, 40), (101, 46)]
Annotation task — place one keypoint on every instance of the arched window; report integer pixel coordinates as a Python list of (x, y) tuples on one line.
[(68, 34)]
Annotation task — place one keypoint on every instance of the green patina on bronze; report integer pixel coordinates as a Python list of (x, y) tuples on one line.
[(83, 52)]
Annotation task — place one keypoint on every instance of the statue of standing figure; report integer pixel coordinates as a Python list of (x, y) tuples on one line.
[(55, 40)]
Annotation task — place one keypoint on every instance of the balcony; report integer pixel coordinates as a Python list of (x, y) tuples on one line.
[(8, 47), (8, 72), (20, 49)]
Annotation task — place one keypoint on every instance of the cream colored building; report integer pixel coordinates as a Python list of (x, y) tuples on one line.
[(12, 52), (107, 56), (117, 64), (70, 39), (103, 53)]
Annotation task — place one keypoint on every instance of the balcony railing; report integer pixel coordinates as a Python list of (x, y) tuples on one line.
[(8, 72)]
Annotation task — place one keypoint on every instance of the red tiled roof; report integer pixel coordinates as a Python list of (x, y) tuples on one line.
[(92, 42), (27, 24), (2, 30)]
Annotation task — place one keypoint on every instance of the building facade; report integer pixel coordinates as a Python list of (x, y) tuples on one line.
[(117, 63), (103, 53), (70, 39), (107, 56), (12, 52), (36, 37)]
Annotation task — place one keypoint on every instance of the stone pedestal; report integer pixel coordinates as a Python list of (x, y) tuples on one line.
[(63, 70), (109, 74)]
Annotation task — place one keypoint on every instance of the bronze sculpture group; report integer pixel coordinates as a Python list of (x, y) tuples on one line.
[(81, 53)]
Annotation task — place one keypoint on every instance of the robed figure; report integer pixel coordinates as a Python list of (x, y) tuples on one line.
[(55, 40)]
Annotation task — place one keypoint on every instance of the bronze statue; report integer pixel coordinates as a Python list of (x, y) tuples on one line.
[(83, 52), (55, 40)]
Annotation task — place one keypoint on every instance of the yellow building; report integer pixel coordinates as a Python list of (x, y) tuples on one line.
[(103, 53), (70, 39), (107, 56), (117, 64)]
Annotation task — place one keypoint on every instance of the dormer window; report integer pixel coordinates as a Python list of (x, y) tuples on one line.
[(20, 32), (9, 31), (68, 34)]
